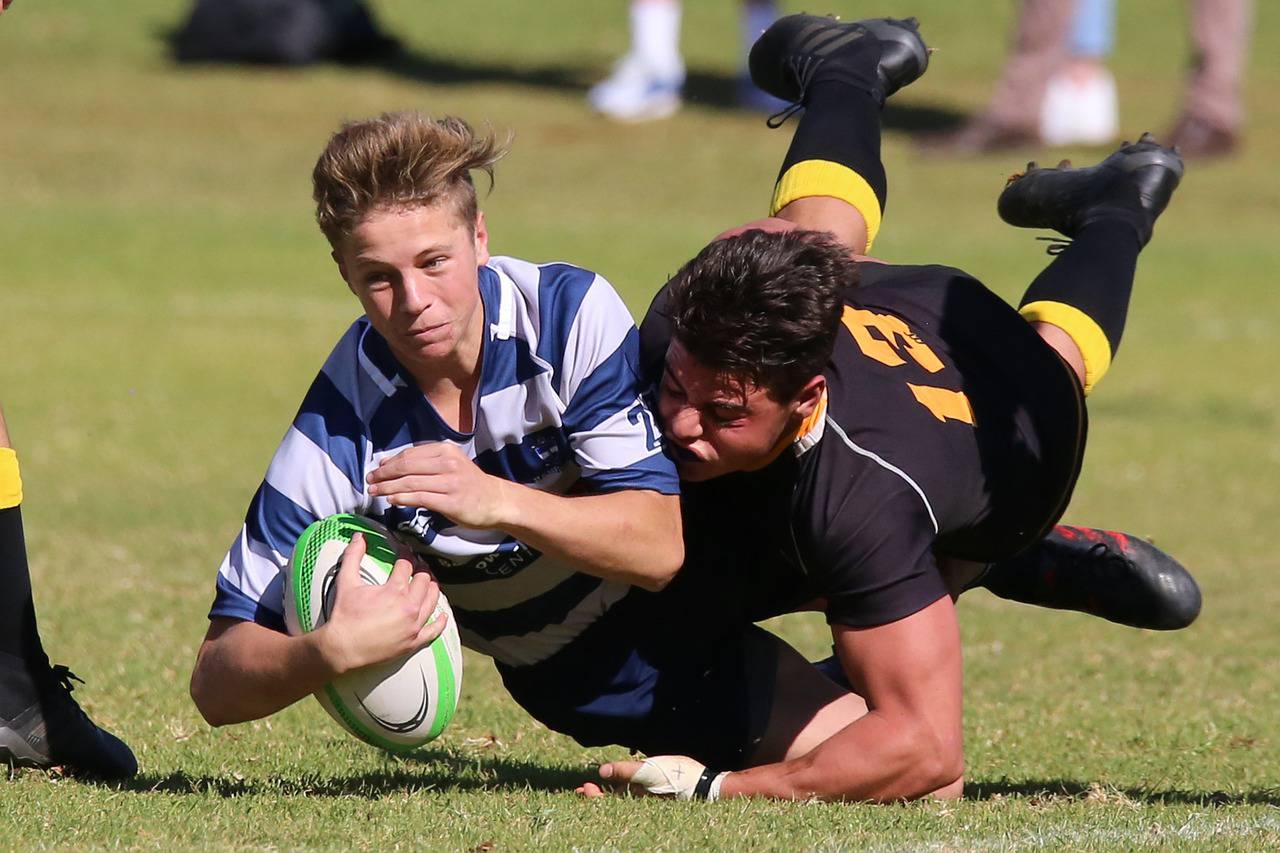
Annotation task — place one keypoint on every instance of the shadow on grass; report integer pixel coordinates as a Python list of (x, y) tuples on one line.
[(425, 770), (713, 89), (1093, 791)]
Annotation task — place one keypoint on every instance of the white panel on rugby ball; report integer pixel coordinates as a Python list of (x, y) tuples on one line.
[(399, 705)]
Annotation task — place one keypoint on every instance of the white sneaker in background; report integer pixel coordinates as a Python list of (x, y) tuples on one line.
[(635, 92), (1080, 108)]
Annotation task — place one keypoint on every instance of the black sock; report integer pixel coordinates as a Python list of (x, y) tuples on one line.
[(21, 654), (1085, 291), (840, 125)]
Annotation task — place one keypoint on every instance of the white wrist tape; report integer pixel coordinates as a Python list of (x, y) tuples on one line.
[(678, 776)]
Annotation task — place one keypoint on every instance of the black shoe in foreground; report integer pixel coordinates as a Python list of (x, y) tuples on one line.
[(878, 55), (1107, 574), (53, 731), (1133, 184)]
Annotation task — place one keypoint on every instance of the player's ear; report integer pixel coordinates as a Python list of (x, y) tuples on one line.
[(482, 239), (342, 267), (809, 397)]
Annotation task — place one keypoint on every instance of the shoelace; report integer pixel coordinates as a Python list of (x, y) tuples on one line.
[(1057, 245), (64, 676), (62, 679), (803, 69), (779, 118)]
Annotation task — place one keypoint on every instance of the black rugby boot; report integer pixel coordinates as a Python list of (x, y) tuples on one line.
[(1104, 573), (877, 55), (1134, 184), (53, 731)]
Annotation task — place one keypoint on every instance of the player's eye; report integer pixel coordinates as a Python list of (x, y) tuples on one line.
[(377, 280), (434, 262)]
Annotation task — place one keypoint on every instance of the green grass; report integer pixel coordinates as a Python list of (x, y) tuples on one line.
[(165, 299)]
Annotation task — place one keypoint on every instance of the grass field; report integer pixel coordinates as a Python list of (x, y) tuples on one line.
[(165, 299)]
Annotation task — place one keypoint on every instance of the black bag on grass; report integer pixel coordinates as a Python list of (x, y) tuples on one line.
[(280, 32)]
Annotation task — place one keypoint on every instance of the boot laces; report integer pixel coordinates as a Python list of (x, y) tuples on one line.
[(802, 67), (62, 687), (1057, 245)]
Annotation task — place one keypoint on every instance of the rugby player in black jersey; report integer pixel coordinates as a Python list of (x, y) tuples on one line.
[(865, 439)]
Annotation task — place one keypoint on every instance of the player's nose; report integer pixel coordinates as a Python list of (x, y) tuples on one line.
[(415, 292), (684, 425)]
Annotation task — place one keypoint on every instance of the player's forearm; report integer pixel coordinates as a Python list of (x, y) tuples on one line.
[(874, 759), (250, 672), (632, 536)]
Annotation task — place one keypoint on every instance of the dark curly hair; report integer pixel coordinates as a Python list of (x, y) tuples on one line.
[(763, 306)]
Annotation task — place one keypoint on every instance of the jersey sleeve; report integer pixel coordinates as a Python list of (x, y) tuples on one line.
[(610, 425), (317, 470), (873, 548)]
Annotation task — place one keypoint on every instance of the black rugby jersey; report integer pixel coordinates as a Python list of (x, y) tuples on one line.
[(950, 428)]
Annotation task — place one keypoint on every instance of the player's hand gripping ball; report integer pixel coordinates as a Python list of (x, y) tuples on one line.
[(398, 705)]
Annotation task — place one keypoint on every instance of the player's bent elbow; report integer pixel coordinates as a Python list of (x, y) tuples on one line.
[(662, 573), (205, 696), (939, 769), (211, 695)]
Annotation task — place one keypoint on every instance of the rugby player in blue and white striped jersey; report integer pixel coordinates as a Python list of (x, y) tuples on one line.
[(485, 408)]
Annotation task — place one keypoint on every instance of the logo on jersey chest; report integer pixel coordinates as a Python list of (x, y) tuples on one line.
[(420, 530)]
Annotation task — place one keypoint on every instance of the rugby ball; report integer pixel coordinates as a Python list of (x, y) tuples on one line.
[(399, 705)]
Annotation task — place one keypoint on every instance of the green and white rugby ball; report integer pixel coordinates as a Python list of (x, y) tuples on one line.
[(399, 705)]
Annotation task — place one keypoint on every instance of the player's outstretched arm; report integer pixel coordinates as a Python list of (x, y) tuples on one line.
[(245, 671), (907, 745), (631, 535), (910, 742)]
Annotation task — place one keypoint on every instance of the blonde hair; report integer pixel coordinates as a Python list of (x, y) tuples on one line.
[(402, 159)]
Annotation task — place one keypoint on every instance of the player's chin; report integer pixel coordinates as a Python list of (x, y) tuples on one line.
[(698, 470)]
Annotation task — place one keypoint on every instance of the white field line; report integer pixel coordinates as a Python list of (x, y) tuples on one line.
[(1198, 827)]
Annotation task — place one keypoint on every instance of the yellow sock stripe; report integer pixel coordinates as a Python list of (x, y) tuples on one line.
[(10, 481), (825, 178), (1087, 334)]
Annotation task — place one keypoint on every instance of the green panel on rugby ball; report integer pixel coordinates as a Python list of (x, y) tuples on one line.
[(399, 705)]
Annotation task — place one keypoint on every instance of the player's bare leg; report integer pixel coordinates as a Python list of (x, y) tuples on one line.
[(806, 707)]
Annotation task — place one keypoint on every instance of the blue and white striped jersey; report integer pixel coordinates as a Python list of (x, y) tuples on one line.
[(559, 406)]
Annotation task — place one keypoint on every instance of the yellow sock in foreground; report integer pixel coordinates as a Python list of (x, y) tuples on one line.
[(10, 480), (833, 180), (1083, 329)]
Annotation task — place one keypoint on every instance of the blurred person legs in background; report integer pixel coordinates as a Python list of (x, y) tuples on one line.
[(1011, 117), (1080, 106), (1055, 90), (647, 83), (1212, 106), (40, 724)]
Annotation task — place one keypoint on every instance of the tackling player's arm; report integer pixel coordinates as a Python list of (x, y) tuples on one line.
[(245, 671), (909, 744), (632, 535)]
